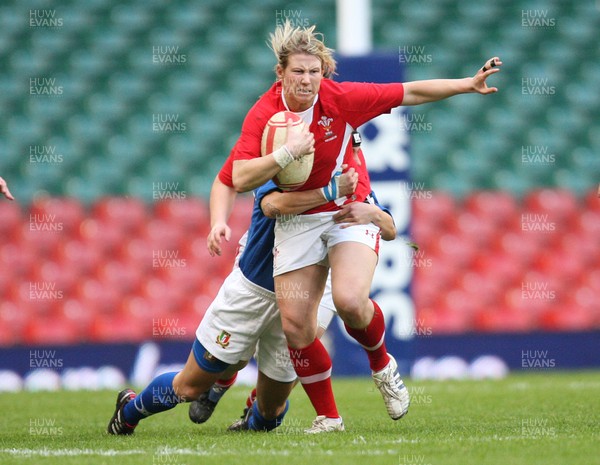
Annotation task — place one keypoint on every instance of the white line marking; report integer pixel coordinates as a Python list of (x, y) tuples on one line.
[(68, 452), (165, 452), (45, 452)]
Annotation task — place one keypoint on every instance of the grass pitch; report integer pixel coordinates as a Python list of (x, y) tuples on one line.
[(541, 418)]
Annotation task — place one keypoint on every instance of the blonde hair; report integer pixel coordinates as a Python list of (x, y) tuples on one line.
[(288, 40)]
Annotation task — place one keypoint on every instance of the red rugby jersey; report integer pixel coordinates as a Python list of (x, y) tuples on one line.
[(338, 108)]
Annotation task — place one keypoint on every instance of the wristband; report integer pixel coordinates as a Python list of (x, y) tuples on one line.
[(282, 156), (330, 191), (289, 153)]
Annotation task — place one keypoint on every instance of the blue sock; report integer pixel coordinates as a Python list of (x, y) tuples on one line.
[(158, 396), (215, 393), (258, 423)]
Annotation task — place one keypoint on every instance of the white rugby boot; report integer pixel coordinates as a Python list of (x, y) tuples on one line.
[(323, 424), (392, 388)]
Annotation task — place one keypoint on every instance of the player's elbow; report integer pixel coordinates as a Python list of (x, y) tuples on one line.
[(240, 188), (242, 183), (270, 210), (389, 234), (270, 205), (242, 178)]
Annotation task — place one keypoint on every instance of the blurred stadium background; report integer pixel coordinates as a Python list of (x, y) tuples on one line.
[(116, 116)]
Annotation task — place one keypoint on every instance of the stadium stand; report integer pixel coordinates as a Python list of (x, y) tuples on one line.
[(120, 66), (87, 159), (487, 268)]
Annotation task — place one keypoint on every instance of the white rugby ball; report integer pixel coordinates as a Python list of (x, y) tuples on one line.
[(297, 172)]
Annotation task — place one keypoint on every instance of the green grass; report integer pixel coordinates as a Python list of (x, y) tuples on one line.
[(542, 418)]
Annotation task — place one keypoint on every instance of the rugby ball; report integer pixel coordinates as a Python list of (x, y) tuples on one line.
[(294, 175)]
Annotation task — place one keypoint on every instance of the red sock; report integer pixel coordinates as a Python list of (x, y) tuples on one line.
[(372, 338), (313, 367), (226, 383), (251, 398)]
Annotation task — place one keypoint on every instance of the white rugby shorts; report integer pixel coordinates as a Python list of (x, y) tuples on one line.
[(244, 320), (304, 240), (326, 310)]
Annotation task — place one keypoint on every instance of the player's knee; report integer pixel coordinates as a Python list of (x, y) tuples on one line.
[(297, 333), (353, 310)]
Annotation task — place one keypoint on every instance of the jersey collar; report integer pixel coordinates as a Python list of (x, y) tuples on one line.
[(299, 113)]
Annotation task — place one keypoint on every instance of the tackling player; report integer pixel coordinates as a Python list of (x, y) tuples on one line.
[(303, 254)]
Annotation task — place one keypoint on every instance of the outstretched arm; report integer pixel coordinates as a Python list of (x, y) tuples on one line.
[(419, 92)]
